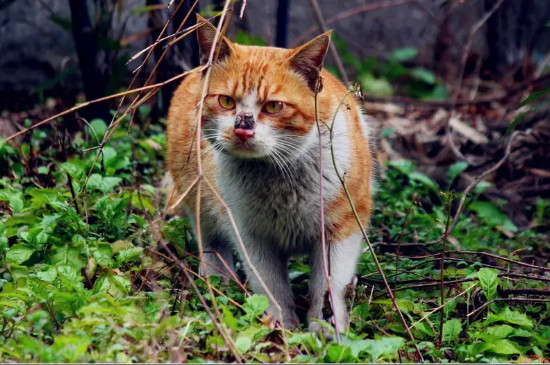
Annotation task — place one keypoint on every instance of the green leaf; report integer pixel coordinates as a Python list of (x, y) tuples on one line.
[(452, 329), (145, 9), (245, 38), (403, 54), (68, 255), (75, 168), (63, 22), (121, 245), (385, 348), (307, 338), (114, 161), (423, 75), (520, 332), (228, 317), (456, 169), (19, 253), (71, 348), (43, 170), (482, 187), (130, 254), (375, 86), (490, 213), (103, 253), (499, 331), (47, 274), (514, 123), (338, 354), (488, 278), (16, 204), (255, 305), (405, 167), (534, 96), (119, 285), (512, 317), (174, 231), (243, 343), (505, 347), (69, 272), (356, 346), (103, 184), (424, 179)]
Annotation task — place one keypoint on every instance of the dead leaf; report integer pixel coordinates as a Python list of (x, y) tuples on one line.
[(467, 131)]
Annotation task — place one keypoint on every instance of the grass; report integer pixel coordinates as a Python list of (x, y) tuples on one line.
[(84, 280)]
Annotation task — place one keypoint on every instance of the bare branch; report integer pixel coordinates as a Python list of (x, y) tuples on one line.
[(333, 51)]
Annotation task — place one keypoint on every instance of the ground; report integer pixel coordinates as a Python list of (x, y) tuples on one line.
[(94, 272)]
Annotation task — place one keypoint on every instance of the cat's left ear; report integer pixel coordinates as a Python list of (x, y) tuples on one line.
[(307, 60), (205, 34)]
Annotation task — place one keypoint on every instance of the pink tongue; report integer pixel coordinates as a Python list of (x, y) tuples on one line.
[(244, 133)]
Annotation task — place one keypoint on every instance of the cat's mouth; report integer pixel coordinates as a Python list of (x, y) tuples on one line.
[(246, 149)]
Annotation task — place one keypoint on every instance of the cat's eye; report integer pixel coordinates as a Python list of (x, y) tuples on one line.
[(272, 107), (226, 102)]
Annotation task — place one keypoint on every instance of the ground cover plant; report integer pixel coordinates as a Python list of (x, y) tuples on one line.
[(93, 270), (84, 277)]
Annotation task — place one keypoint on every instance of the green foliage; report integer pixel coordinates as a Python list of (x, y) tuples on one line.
[(532, 103), (244, 38), (396, 75), (84, 280)]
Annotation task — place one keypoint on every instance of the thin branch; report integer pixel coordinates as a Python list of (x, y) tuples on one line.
[(444, 304), (521, 300), (487, 254), (350, 13), (332, 47), (220, 29), (88, 103), (326, 266)]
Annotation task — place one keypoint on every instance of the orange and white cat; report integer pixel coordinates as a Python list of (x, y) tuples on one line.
[(260, 147)]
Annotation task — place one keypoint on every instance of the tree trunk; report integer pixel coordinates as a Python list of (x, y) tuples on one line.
[(281, 36), (85, 39)]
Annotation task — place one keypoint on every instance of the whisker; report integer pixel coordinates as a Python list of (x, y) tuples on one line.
[(283, 163)]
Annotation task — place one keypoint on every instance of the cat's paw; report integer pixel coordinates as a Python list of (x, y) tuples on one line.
[(289, 321), (318, 328)]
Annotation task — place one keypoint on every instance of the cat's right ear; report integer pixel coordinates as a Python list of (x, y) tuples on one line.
[(206, 34), (307, 60)]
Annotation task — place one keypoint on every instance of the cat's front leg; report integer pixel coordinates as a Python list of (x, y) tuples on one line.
[(342, 258), (217, 258), (318, 286), (272, 267)]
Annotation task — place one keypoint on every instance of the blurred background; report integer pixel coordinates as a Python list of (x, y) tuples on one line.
[(446, 80)]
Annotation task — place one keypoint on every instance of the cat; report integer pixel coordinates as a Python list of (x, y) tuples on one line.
[(260, 150)]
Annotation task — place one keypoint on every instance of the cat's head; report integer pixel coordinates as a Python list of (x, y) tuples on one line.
[(261, 100)]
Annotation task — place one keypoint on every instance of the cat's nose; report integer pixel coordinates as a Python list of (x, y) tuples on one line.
[(244, 120), (244, 125)]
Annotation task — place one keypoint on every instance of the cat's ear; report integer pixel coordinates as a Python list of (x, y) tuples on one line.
[(205, 34), (307, 59)]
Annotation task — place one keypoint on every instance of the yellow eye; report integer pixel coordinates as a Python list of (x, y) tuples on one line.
[(226, 102), (272, 107)]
